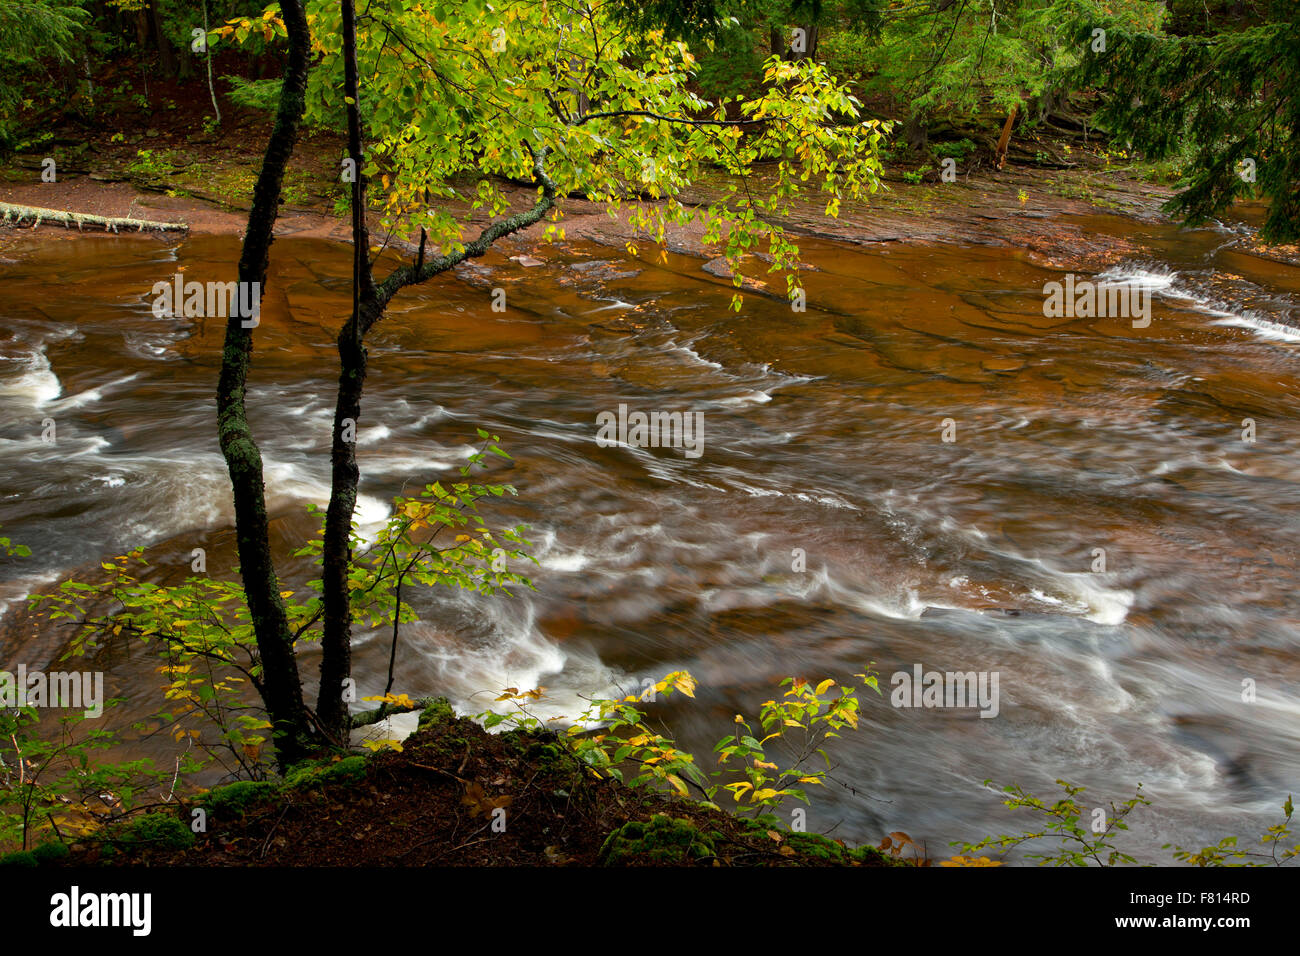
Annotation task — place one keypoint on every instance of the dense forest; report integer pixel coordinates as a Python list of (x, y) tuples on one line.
[(398, 211)]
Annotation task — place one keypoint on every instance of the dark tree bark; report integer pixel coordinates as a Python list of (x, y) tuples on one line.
[(281, 690), (167, 57), (368, 304), (336, 637)]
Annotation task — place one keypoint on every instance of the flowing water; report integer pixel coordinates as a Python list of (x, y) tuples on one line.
[(823, 432)]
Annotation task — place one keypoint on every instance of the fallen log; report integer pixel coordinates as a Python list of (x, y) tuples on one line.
[(35, 215)]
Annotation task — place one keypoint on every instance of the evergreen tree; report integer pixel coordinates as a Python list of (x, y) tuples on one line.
[(1223, 82)]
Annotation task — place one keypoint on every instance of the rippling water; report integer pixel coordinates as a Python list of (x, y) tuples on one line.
[(823, 432)]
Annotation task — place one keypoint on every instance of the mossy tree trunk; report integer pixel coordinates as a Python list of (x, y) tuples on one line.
[(336, 636), (281, 687)]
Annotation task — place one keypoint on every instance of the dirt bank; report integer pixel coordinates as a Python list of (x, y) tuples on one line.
[(205, 181)]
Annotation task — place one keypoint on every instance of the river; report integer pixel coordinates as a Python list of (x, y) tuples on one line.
[(823, 432)]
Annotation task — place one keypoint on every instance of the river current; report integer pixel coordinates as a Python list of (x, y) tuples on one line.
[(1096, 531)]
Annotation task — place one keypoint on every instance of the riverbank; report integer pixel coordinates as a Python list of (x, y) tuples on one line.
[(205, 181), (454, 795)]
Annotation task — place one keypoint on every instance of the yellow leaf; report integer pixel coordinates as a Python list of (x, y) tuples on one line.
[(821, 688), (677, 783)]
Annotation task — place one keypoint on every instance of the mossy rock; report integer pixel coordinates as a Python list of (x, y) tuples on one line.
[(314, 774), (159, 831), (234, 800), (663, 839), (52, 852), (20, 859), (438, 712), (818, 847)]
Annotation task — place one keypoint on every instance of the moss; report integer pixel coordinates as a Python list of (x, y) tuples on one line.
[(156, 830), (20, 858), (342, 772), (663, 839), (817, 847), (438, 712), (52, 852), (540, 751), (233, 801)]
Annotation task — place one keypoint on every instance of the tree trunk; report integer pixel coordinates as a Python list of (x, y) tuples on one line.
[(282, 690), (368, 305), (166, 56), (810, 42), (336, 599), (19, 215)]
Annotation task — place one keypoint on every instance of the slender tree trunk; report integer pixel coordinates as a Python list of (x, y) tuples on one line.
[(282, 691), (207, 55), (336, 600), (368, 304)]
